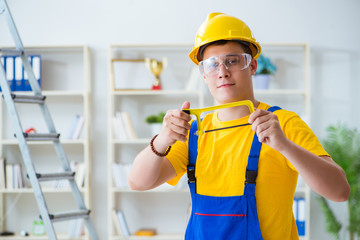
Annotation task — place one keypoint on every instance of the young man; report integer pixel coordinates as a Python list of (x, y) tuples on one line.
[(233, 167)]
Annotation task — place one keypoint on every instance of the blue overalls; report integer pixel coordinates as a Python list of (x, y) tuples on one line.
[(221, 218)]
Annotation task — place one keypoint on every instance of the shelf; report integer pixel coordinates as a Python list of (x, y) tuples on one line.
[(156, 237), (45, 237), (280, 92), (55, 93), (156, 93), (134, 141), (160, 190), (45, 190), (55, 47), (63, 141)]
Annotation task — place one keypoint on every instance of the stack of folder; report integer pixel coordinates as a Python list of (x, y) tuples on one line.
[(15, 73), (299, 214)]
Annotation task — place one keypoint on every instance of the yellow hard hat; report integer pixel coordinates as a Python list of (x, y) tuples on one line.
[(219, 26)]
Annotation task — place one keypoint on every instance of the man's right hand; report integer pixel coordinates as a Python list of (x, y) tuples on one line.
[(175, 126)]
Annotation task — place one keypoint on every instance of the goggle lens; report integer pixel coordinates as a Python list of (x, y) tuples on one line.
[(232, 62)]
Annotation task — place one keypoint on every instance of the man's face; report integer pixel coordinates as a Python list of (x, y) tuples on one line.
[(230, 85)]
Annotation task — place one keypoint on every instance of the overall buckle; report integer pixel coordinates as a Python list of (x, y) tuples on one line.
[(191, 173), (250, 176)]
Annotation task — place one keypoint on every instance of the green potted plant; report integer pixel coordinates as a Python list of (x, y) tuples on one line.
[(155, 122), (264, 69), (343, 145)]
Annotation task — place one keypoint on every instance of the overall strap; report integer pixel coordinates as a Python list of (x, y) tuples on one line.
[(253, 161), (193, 147)]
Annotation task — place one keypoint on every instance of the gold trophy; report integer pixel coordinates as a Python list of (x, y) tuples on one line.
[(156, 68)]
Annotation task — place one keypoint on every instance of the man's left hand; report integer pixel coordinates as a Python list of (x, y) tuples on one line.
[(267, 127)]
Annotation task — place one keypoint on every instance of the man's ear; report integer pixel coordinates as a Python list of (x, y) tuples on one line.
[(204, 78), (253, 66)]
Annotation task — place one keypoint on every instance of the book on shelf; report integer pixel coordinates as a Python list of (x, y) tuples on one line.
[(9, 176), (80, 174), (57, 183), (9, 70), (2, 173), (194, 79), (146, 232), (76, 228), (13, 176), (78, 168), (2, 64), (120, 223), (128, 125), (18, 73), (119, 130), (76, 127), (120, 174), (123, 129), (18, 176), (116, 223)]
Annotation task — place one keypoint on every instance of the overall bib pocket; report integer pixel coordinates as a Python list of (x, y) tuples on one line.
[(219, 215)]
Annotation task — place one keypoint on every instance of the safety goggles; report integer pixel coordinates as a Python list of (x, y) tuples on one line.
[(232, 62)]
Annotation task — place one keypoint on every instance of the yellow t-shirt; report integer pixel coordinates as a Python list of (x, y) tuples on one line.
[(221, 165)]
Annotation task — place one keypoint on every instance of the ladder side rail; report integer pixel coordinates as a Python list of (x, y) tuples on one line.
[(25, 152), (4, 9), (19, 46), (91, 229)]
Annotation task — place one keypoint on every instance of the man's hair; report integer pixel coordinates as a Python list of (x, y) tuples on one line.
[(244, 45)]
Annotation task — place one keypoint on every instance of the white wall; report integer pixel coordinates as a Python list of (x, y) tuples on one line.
[(330, 27)]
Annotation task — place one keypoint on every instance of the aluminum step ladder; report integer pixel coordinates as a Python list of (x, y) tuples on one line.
[(23, 138)]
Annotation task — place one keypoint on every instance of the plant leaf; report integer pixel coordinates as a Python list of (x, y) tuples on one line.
[(343, 145), (333, 226)]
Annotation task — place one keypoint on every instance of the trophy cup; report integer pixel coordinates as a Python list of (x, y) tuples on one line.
[(156, 68)]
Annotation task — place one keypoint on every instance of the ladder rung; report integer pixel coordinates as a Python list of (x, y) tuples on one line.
[(11, 52), (28, 99), (55, 176), (42, 136), (69, 215)]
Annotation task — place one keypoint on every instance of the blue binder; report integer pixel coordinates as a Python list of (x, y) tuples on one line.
[(18, 73), (35, 61), (299, 213), (15, 74), (8, 63)]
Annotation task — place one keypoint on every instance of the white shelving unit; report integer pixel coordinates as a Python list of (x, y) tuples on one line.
[(65, 81), (290, 86), (290, 89), (148, 209)]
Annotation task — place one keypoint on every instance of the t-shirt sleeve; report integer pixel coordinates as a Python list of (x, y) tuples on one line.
[(178, 157), (300, 133)]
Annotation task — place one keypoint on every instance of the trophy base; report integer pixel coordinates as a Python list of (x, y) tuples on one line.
[(156, 87)]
